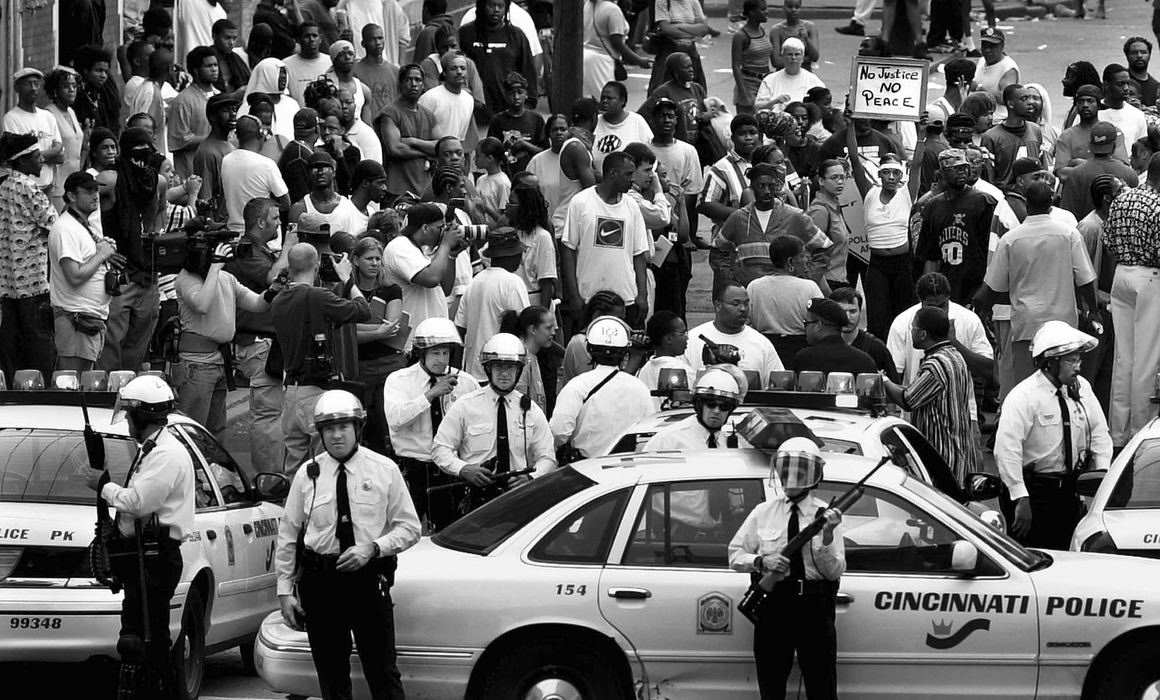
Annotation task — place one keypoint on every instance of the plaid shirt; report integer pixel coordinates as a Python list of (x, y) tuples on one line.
[(1132, 229), (26, 216)]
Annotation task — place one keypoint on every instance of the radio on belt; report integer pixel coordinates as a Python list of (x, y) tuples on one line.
[(766, 428)]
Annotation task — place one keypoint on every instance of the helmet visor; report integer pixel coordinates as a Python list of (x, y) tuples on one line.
[(121, 408), (798, 471)]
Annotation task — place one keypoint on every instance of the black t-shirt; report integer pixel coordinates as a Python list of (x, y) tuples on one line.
[(955, 233), (252, 271), (301, 312), (529, 124), (869, 343), (1149, 91), (833, 354), (377, 348)]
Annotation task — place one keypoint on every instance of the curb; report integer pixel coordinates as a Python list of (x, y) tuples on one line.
[(1003, 11)]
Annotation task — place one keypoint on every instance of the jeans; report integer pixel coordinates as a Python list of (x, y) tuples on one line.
[(298, 424), (132, 318), (201, 394), (266, 399), (1136, 315), (26, 336)]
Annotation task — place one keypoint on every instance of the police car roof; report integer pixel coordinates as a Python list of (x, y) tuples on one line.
[(820, 421), (46, 417), (740, 463)]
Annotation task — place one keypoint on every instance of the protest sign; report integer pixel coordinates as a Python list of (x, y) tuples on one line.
[(888, 88)]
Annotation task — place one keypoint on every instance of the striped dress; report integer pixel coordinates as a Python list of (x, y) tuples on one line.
[(938, 401)]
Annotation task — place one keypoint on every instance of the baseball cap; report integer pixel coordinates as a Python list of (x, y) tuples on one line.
[(311, 222), (220, 102), (320, 157), (1026, 166), (366, 170), (665, 102), (305, 118), (421, 215), (1103, 138), (26, 73), (992, 35), (1089, 91), (952, 157), (828, 310), (81, 178)]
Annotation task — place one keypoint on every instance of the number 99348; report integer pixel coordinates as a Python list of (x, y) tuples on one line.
[(34, 623)]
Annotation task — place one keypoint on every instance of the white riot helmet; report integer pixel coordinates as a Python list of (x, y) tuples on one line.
[(723, 381), (337, 405), (433, 332), (799, 465), (609, 340), (1056, 339), (148, 396), (503, 347)]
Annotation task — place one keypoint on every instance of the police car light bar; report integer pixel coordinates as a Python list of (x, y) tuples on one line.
[(56, 397)]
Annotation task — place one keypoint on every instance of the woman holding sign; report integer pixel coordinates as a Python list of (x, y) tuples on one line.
[(886, 206)]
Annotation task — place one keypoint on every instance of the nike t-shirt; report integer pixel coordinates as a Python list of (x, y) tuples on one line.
[(606, 238)]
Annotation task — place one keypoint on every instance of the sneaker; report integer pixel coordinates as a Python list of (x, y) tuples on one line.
[(851, 29)]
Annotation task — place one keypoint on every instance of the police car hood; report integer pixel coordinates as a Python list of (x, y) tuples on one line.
[(1085, 584), (1137, 531), (46, 524)]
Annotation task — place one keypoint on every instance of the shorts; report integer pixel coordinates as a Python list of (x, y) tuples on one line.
[(72, 343)]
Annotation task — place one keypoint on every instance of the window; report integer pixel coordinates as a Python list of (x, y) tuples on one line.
[(935, 467), (1139, 484), (585, 536), (690, 523), (227, 474), (47, 466), (203, 495)]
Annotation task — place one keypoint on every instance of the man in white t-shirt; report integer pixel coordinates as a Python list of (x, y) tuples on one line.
[(616, 127), (790, 84), (1129, 120), (27, 118), (425, 280), (754, 353), (451, 103), (489, 294), (778, 301), (78, 260), (247, 174), (308, 64), (605, 242)]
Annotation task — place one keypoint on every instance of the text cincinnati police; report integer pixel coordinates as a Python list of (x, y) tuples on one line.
[(1005, 604)]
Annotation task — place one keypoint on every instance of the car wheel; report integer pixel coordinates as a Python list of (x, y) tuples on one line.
[(189, 651), (1133, 675), (247, 650), (552, 669)]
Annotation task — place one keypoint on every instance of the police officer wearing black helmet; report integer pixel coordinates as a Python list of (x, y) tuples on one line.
[(154, 512), (347, 515)]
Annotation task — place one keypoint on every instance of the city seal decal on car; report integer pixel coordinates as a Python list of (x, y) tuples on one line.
[(945, 637), (266, 527), (715, 614)]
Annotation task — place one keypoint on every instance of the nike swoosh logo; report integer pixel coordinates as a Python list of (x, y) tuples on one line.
[(957, 638)]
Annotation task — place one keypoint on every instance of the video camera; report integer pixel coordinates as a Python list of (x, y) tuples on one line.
[(190, 248)]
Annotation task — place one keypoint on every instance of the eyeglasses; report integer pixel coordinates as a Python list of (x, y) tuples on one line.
[(718, 405), (1073, 360)]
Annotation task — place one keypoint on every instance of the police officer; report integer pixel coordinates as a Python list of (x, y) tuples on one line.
[(154, 514), (1050, 428), (495, 429), (593, 408), (415, 400), (798, 616), (348, 513), (716, 395)]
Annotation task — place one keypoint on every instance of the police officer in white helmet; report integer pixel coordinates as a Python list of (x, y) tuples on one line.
[(594, 407), (415, 401), (154, 510), (798, 615), (347, 516), (1051, 427), (495, 429), (716, 395)]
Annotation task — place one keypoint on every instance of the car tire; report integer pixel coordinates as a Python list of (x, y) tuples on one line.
[(552, 666), (1135, 668), (189, 650)]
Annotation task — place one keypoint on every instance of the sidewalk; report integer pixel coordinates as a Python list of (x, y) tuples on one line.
[(839, 9)]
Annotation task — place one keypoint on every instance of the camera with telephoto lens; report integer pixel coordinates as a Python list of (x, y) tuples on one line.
[(321, 240), (476, 233)]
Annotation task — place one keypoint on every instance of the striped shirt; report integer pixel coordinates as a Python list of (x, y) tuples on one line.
[(938, 401), (725, 180), (1132, 229)]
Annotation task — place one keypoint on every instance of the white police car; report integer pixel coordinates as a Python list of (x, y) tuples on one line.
[(589, 583), (1124, 511), (51, 607)]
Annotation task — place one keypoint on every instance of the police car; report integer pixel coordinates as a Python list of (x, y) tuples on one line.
[(593, 583), (1124, 511), (51, 607)]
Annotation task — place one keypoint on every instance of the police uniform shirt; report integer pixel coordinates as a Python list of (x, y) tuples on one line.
[(688, 434), (766, 531), (1031, 430), (162, 482), (408, 411), (594, 425), (380, 507), (468, 433)]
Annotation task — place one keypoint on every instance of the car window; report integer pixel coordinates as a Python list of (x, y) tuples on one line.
[(584, 536), (690, 523), (47, 466), (230, 479), (888, 534), (1139, 484), (842, 447), (941, 476), (204, 495)]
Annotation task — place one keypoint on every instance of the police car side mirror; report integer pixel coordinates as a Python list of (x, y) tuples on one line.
[(979, 486), (964, 557), (1087, 483), (271, 487)]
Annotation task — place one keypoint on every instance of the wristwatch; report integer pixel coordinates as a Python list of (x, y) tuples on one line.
[(378, 549)]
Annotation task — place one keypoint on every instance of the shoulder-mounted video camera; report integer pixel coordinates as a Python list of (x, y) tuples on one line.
[(190, 248)]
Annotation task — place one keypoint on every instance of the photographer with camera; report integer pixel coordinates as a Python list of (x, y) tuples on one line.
[(208, 298), (304, 316)]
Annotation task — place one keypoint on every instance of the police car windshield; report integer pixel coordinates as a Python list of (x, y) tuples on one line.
[(1139, 484), (46, 466), (1026, 559), (484, 529)]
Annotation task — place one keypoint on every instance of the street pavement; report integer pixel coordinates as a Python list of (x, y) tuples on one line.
[(1042, 48)]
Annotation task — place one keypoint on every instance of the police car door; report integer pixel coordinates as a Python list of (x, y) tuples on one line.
[(669, 590), (910, 626)]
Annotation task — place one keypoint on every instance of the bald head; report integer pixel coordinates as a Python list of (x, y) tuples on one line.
[(302, 258)]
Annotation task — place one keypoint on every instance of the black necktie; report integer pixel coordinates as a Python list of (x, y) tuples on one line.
[(503, 455), (712, 441), (436, 409), (345, 527), (1065, 419), (797, 566)]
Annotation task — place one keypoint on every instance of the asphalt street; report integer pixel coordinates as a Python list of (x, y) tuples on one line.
[(1043, 48)]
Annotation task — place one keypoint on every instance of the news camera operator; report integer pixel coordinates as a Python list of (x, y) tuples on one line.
[(304, 316), (154, 513), (415, 401), (495, 429), (208, 299), (798, 615), (347, 516)]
